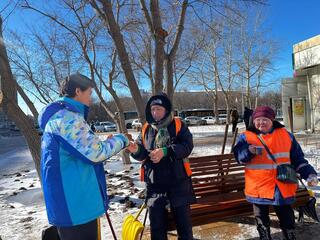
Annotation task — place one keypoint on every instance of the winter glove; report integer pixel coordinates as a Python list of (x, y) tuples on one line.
[(312, 180)]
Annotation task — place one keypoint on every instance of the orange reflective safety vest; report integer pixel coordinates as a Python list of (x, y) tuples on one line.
[(186, 163), (261, 171)]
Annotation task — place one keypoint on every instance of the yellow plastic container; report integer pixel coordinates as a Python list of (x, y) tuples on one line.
[(132, 227)]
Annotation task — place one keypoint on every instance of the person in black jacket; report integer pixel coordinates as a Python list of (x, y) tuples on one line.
[(247, 116), (93, 128), (168, 183), (234, 119)]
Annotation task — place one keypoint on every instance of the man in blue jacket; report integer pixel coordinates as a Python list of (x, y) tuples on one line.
[(73, 178), (164, 145)]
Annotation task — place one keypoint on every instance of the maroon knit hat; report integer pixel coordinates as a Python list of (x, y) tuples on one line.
[(263, 111)]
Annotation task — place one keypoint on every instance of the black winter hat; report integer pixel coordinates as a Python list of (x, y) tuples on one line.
[(161, 100)]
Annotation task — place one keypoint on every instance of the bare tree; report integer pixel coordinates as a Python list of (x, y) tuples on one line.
[(220, 58), (106, 13), (272, 98), (11, 108), (204, 72), (87, 32), (257, 53), (28, 67), (143, 54), (163, 60)]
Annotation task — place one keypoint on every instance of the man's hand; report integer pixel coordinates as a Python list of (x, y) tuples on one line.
[(156, 155), (109, 136), (252, 149), (312, 180)]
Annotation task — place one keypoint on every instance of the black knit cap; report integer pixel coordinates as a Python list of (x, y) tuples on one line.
[(160, 100)]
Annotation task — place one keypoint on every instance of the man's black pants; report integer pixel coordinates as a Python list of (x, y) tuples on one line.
[(87, 231), (158, 222), (234, 126), (284, 213)]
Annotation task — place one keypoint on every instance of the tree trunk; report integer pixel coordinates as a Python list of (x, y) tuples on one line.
[(11, 108), (114, 30), (169, 77), (257, 97), (121, 123), (170, 57), (215, 108), (227, 108), (216, 113), (158, 74), (159, 42), (248, 95), (27, 129), (27, 100)]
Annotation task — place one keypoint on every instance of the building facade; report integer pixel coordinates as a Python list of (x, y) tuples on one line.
[(301, 94)]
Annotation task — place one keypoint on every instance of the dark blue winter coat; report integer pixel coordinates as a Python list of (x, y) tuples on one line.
[(168, 176)]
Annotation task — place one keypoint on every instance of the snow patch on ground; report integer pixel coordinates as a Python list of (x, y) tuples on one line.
[(22, 210)]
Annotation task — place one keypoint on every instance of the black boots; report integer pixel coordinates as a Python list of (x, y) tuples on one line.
[(289, 234), (264, 232)]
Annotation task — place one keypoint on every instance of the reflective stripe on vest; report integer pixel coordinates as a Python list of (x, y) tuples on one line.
[(261, 171), (262, 166), (280, 155)]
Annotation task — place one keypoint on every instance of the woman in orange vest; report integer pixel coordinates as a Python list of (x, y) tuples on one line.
[(262, 188)]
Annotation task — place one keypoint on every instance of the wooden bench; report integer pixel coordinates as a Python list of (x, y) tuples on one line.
[(218, 182)]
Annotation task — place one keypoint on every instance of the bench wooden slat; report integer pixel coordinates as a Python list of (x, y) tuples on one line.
[(211, 158), (215, 179), (212, 162), (210, 167), (209, 172), (218, 183), (217, 190)]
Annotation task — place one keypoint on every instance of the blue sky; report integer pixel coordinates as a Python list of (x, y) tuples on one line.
[(291, 21)]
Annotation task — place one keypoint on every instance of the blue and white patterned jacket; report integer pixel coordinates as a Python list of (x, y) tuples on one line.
[(72, 172)]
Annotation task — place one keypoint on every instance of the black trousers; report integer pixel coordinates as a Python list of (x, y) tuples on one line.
[(284, 213), (234, 126), (158, 222), (87, 231)]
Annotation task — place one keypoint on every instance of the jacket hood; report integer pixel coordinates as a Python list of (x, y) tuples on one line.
[(62, 103), (166, 103)]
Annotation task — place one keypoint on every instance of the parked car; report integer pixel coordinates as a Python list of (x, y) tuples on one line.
[(105, 127), (128, 123), (182, 120), (223, 118), (194, 120), (110, 127), (136, 124), (98, 127), (209, 119)]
